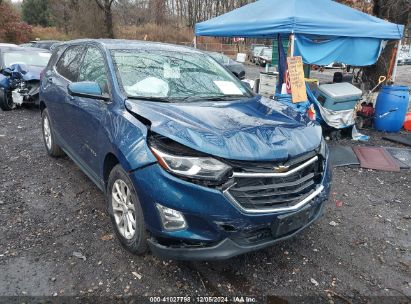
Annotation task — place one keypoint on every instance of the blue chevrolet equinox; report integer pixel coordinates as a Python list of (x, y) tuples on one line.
[(194, 165)]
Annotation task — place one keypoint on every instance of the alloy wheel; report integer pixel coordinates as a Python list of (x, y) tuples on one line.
[(47, 132), (123, 209)]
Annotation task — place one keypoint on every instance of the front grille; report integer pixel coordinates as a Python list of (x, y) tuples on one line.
[(263, 190)]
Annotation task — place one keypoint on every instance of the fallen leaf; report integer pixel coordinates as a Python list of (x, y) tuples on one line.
[(107, 237)]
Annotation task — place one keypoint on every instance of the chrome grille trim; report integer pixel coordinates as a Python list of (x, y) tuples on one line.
[(274, 209), (285, 174)]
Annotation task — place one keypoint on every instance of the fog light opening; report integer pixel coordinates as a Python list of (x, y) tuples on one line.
[(171, 219)]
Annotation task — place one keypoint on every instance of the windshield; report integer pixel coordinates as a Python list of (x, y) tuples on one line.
[(29, 58), (258, 50), (174, 75)]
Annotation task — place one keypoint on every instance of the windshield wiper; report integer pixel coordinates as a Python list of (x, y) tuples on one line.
[(224, 97), (190, 98), (155, 99)]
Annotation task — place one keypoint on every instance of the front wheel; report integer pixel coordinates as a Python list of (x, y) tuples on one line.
[(125, 212), (6, 102)]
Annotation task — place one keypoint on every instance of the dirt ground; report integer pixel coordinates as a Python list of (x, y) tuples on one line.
[(51, 214)]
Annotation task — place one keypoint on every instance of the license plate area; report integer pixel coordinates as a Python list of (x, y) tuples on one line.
[(288, 223)]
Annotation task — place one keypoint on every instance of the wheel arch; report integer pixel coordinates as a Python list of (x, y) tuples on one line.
[(42, 105), (110, 161)]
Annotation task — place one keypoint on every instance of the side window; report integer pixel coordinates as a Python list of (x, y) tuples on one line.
[(69, 64), (94, 69)]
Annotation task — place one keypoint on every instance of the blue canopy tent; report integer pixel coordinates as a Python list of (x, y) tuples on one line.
[(325, 31), (322, 32)]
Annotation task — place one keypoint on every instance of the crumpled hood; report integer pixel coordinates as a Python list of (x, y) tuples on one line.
[(28, 72), (255, 129)]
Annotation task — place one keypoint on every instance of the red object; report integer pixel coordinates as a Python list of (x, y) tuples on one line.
[(288, 82), (338, 203), (376, 158), (407, 122), (367, 113), (367, 110), (311, 113)]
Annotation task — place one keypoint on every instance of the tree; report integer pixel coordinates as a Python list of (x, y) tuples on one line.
[(158, 8), (36, 12), (12, 29), (106, 7), (397, 11)]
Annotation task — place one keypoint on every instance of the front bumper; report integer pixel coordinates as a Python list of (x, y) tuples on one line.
[(217, 228), (225, 249)]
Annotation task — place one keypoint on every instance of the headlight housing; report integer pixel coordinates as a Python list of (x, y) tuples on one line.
[(207, 169)]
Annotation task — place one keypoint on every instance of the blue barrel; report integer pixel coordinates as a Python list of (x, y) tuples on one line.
[(391, 108)]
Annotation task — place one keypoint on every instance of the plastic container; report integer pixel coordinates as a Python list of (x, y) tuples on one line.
[(391, 108), (338, 96), (407, 122)]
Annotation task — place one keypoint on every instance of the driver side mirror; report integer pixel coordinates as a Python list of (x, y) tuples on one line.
[(87, 89)]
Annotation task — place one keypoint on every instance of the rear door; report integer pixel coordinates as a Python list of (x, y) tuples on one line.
[(59, 102)]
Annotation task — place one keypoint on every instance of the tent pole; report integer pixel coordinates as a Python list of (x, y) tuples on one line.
[(292, 45), (394, 72)]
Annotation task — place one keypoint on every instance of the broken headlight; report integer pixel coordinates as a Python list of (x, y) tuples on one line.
[(197, 168)]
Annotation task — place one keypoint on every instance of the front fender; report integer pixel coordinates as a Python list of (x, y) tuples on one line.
[(129, 140)]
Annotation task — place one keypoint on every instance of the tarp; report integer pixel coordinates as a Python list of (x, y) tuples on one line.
[(267, 18), (351, 51)]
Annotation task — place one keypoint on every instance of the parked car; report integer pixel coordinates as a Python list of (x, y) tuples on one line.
[(256, 53), (251, 50), (404, 57), (193, 164), (266, 56), (42, 44), (7, 45), (233, 66), (20, 70), (335, 65)]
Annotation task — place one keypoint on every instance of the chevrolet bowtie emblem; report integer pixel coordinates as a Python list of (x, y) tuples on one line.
[(281, 169)]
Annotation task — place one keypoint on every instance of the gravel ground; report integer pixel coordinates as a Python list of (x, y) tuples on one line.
[(56, 237)]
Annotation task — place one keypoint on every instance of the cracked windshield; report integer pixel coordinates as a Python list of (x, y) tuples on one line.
[(175, 76)]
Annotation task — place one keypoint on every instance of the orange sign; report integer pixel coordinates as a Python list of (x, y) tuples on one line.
[(296, 74)]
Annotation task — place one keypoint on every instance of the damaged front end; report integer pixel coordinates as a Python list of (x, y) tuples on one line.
[(19, 84), (235, 176)]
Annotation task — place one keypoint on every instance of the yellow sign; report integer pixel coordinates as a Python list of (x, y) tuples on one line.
[(297, 82)]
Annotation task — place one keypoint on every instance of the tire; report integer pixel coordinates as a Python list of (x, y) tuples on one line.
[(124, 208), (48, 136), (6, 102)]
